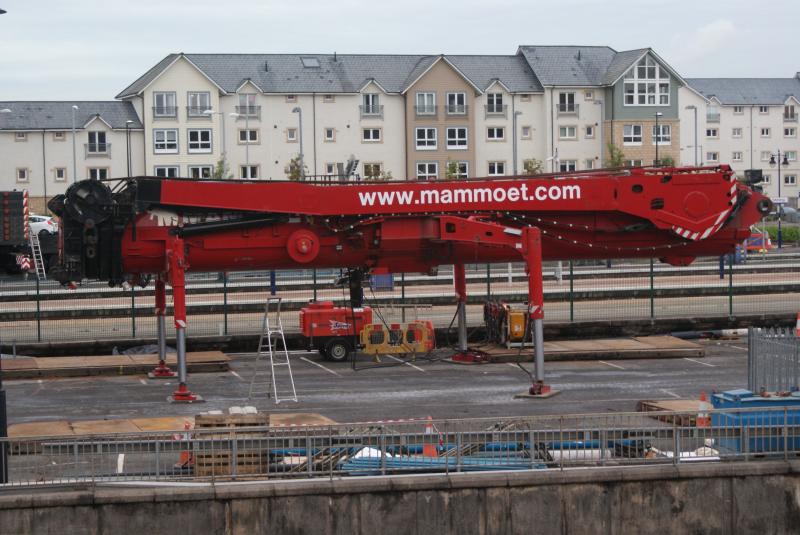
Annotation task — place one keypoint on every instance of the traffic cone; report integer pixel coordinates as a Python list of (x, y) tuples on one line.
[(429, 442), (186, 459), (703, 419)]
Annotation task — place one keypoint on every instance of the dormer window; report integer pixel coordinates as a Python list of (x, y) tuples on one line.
[(647, 84), (310, 63)]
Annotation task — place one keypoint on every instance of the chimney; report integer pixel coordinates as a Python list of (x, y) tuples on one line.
[(579, 55), (266, 66), (334, 56), (797, 75)]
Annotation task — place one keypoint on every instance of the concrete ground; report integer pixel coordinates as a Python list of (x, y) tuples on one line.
[(436, 388)]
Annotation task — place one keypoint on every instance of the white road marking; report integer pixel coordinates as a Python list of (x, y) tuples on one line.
[(703, 363), (406, 363), (670, 393), (143, 381), (320, 366), (739, 347), (512, 364), (236, 375), (612, 365)]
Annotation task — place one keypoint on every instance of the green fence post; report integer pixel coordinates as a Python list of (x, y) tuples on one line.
[(571, 289), (133, 312), (488, 281), (225, 303), (730, 285), (38, 313), (652, 292)]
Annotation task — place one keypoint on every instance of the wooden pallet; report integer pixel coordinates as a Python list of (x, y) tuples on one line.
[(219, 463), (654, 407)]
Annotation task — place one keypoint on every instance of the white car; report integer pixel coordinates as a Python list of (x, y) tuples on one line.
[(42, 224)]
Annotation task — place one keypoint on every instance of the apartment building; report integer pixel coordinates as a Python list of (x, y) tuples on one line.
[(747, 123), (38, 141)]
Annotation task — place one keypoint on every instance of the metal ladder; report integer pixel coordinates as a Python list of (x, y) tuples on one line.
[(279, 386), (36, 249)]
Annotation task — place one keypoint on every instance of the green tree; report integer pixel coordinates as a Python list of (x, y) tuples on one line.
[(616, 158), (222, 170), (451, 170), (532, 166), (667, 161), (294, 169)]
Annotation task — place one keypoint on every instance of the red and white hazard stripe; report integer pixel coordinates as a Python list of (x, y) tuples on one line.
[(718, 223), (25, 213)]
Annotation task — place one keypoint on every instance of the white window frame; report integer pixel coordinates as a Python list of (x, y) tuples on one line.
[(497, 169), (589, 164), (736, 133), (425, 101), (368, 135), (564, 132), (462, 170), (167, 171), (457, 142), (162, 144), (458, 106), (766, 132), (630, 135), (763, 110), (526, 132), (198, 169), (23, 174), (736, 156), (331, 169), (370, 103), (59, 136), (712, 156), (588, 131), (328, 98), (20, 136), (325, 133), (791, 155), (62, 171), (248, 106), (634, 163), (665, 135), (430, 170), (494, 102), (426, 142), (765, 155), (588, 95), (790, 131), (566, 102), (647, 84), (712, 133), (373, 164), (738, 110), (98, 142), (790, 180), (101, 172), (766, 178), (252, 171), (291, 98), (567, 166), (492, 131), (248, 136), (291, 135), (168, 108), (199, 145), (197, 102)]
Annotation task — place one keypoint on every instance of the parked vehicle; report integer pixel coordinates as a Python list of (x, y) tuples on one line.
[(42, 224)]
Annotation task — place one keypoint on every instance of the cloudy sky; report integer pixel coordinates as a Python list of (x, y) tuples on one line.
[(92, 49)]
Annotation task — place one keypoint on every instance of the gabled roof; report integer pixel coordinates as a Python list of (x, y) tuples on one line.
[(49, 115), (569, 65), (621, 63), (147, 78), (511, 71), (747, 91)]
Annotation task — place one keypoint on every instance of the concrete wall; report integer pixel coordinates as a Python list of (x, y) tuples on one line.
[(759, 497)]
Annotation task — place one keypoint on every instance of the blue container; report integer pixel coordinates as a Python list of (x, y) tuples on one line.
[(759, 431)]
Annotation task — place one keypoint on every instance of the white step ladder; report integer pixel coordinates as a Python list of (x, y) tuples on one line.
[(276, 381), (36, 249)]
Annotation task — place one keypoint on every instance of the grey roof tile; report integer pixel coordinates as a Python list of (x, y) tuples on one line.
[(513, 71), (621, 63), (145, 79), (747, 91), (50, 115), (569, 65)]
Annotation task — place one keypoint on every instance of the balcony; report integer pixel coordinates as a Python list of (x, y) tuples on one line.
[(249, 112), (198, 112), (429, 111), (495, 110), (790, 118), (567, 109), (371, 112), (712, 117), (97, 150), (457, 109), (165, 112)]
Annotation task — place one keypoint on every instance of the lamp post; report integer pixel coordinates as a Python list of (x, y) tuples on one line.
[(514, 147), (657, 137), (128, 124), (600, 127), (299, 113), (74, 164), (211, 112), (773, 159), (694, 108)]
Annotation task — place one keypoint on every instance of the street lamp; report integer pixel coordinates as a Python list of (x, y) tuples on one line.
[(74, 164), (514, 147), (694, 108), (657, 137), (773, 159), (246, 138), (211, 112), (600, 127), (128, 124), (299, 113)]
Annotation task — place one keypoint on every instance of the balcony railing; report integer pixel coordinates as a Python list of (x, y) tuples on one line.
[(250, 112), (371, 111), (567, 109), (457, 109), (198, 112), (97, 149), (712, 117), (427, 110), (790, 118), (165, 112), (495, 110)]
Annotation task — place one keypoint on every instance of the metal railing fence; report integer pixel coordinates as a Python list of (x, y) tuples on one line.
[(421, 446), (773, 360)]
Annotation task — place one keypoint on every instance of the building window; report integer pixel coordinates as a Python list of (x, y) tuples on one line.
[(567, 132), (59, 136), (766, 179), (763, 110), (765, 155), (100, 173), (456, 103), (589, 131), (165, 141), (60, 174), (494, 103), (200, 171), (291, 98), (291, 135), (330, 169), (248, 172), (632, 134), (791, 155), (712, 133), (164, 104), (370, 135), (198, 102), (371, 104), (566, 103), (736, 132), (461, 170), (525, 98), (589, 163), (97, 143), (633, 163), (712, 156), (425, 138), (497, 168), (427, 170), (788, 113), (647, 84), (567, 165), (765, 132), (662, 135), (22, 174), (790, 132), (457, 137), (373, 170), (526, 132), (328, 98), (167, 171), (199, 140), (495, 133), (247, 106), (790, 180), (21, 136), (426, 104), (736, 156), (248, 136), (738, 110), (330, 134), (588, 95)]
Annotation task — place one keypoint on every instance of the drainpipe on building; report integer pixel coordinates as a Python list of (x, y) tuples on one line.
[(44, 173), (314, 131), (552, 133)]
